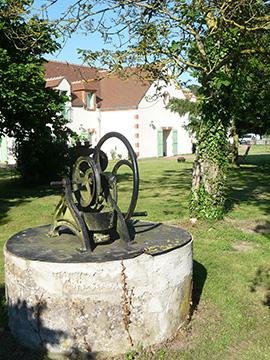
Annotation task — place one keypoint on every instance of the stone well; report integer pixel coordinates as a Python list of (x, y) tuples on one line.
[(68, 302)]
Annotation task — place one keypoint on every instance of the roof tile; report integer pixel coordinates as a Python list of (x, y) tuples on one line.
[(113, 93)]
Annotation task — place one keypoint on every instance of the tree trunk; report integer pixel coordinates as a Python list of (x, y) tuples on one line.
[(235, 145), (209, 173), (247, 150)]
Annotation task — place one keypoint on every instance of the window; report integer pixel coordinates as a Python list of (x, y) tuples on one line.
[(90, 101)]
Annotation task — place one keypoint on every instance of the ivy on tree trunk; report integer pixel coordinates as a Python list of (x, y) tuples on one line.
[(209, 172)]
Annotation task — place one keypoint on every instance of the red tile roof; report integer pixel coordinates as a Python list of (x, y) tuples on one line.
[(53, 82), (113, 93), (120, 94), (84, 85), (71, 72), (76, 101)]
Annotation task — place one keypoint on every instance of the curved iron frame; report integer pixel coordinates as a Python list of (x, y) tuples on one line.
[(81, 217)]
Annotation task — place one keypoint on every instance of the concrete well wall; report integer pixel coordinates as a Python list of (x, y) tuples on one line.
[(102, 308)]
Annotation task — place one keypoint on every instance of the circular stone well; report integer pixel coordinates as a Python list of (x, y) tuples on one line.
[(105, 302)]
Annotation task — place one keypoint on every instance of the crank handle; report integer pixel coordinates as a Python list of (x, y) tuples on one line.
[(140, 213)]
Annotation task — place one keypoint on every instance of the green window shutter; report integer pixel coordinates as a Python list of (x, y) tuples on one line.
[(174, 142), (90, 101), (160, 142)]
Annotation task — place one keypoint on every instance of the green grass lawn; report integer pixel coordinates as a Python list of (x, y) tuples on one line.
[(231, 298)]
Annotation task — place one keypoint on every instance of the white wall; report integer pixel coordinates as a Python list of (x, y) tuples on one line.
[(120, 121), (82, 120), (11, 146), (151, 116), (102, 122), (154, 116), (65, 86), (7, 150)]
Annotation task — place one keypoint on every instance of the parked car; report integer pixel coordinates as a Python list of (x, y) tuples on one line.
[(249, 138)]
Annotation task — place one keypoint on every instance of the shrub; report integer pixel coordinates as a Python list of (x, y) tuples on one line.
[(41, 159)]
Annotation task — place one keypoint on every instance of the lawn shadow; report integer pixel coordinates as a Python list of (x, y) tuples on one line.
[(3, 308), (171, 185), (28, 326), (10, 349), (180, 178), (262, 281), (250, 183), (199, 278), (14, 193), (263, 229)]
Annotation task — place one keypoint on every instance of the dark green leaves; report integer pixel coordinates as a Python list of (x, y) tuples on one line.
[(29, 112)]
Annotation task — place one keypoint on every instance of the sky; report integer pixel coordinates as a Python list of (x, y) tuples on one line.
[(79, 40)]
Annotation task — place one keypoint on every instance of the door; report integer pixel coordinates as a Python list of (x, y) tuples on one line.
[(166, 136), (174, 142), (160, 142)]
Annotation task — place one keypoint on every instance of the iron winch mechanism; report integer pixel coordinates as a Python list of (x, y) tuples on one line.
[(89, 205)]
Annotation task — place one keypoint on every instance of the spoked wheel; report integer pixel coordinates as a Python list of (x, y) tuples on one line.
[(131, 163), (86, 182)]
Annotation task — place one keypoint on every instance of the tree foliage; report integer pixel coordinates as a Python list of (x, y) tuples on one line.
[(216, 40), (247, 92), (29, 112), (250, 103), (184, 106)]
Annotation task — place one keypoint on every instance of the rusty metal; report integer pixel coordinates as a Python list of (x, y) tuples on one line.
[(89, 205)]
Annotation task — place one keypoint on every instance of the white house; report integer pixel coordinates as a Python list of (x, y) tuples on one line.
[(129, 106), (99, 104)]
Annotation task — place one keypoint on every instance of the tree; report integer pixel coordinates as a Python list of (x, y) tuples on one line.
[(248, 100), (207, 37), (184, 106), (29, 112), (250, 105)]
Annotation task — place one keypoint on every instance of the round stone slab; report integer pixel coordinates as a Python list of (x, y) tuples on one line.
[(148, 237)]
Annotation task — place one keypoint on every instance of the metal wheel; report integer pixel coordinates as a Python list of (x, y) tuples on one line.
[(86, 182), (131, 163)]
